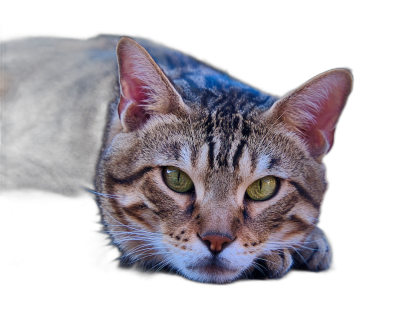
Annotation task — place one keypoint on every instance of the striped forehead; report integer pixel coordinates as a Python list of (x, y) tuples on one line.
[(225, 132), (222, 181), (223, 141)]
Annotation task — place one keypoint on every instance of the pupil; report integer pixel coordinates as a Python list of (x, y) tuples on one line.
[(179, 176)]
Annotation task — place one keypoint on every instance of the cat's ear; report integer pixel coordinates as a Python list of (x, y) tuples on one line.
[(313, 109), (144, 88)]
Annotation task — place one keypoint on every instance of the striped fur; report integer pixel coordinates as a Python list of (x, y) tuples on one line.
[(164, 108)]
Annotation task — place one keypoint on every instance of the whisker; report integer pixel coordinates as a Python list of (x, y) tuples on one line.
[(143, 254), (112, 196), (133, 229), (138, 237), (129, 227), (305, 262), (163, 263), (144, 249), (263, 259), (260, 267)]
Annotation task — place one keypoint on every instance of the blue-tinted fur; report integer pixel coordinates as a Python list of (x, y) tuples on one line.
[(204, 86)]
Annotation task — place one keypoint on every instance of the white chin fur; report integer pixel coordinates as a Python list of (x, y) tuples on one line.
[(220, 277)]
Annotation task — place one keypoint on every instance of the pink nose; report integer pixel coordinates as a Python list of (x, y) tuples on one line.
[(216, 243)]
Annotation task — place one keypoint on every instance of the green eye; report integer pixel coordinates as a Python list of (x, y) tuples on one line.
[(263, 188), (177, 180)]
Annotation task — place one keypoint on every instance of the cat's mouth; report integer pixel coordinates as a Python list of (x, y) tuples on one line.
[(213, 266)]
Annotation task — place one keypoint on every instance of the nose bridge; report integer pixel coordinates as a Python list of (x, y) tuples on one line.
[(219, 215)]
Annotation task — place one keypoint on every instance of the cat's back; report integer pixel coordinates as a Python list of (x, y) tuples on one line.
[(43, 63), (54, 98)]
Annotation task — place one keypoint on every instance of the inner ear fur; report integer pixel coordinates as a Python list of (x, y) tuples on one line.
[(313, 109), (144, 88)]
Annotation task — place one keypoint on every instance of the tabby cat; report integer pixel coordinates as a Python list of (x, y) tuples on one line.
[(196, 172)]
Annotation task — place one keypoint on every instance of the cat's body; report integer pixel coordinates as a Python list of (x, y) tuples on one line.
[(211, 130)]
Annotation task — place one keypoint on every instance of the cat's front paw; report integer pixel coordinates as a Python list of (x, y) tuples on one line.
[(276, 264), (314, 254)]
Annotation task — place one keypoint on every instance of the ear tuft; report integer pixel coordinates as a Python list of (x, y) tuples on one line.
[(313, 109), (145, 89)]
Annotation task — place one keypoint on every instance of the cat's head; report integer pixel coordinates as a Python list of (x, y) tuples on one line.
[(212, 192)]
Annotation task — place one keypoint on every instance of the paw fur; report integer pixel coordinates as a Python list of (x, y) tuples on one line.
[(315, 254)]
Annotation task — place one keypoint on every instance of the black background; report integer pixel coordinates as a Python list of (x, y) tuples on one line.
[(54, 248)]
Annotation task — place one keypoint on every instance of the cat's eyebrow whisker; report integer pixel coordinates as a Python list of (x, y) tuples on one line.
[(111, 196)]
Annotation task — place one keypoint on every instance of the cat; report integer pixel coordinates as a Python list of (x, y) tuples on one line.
[(194, 171)]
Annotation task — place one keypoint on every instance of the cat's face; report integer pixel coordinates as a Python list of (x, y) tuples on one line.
[(214, 230), (147, 217)]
